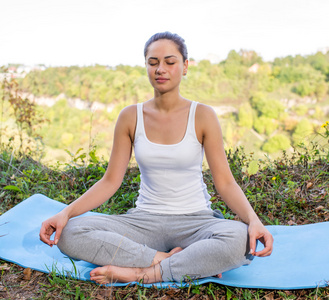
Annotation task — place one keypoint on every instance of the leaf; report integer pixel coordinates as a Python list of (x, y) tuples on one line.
[(269, 296), (12, 188), (93, 157), (253, 167), (4, 267), (319, 208), (101, 169), (27, 274), (309, 185)]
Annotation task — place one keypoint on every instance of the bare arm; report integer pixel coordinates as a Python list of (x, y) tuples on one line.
[(208, 129), (106, 186)]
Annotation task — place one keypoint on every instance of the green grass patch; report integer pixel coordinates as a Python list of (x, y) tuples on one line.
[(289, 190)]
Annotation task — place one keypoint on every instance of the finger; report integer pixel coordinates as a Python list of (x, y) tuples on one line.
[(265, 252), (268, 246), (45, 236), (58, 235), (252, 245)]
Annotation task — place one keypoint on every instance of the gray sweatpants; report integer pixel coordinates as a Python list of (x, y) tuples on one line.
[(210, 245)]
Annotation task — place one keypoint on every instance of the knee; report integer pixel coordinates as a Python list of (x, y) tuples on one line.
[(240, 236), (67, 237), (240, 243), (236, 238)]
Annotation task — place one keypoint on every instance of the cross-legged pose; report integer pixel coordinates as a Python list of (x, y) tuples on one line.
[(172, 234)]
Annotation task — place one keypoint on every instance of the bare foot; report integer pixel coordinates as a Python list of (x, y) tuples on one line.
[(219, 275), (160, 256), (109, 274)]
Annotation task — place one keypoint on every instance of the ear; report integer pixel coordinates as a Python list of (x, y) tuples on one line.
[(185, 67)]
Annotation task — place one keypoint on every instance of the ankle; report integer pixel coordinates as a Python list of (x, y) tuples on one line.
[(148, 275), (159, 256)]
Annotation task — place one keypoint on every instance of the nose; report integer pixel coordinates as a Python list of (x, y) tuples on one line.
[(160, 69)]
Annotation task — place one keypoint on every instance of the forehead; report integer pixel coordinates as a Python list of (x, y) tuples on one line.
[(163, 48)]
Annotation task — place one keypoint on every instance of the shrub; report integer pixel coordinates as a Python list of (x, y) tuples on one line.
[(276, 143), (301, 110), (265, 125), (245, 116), (303, 129), (267, 107)]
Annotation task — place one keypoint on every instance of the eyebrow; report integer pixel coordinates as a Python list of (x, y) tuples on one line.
[(169, 56)]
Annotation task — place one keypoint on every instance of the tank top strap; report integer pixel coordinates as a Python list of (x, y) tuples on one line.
[(140, 122), (191, 119)]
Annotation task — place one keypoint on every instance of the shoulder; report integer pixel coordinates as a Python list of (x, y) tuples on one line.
[(203, 110), (206, 122), (126, 122), (205, 115), (128, 115), (128, 111)]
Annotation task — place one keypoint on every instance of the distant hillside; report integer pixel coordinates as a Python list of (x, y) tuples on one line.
[(264, 106)]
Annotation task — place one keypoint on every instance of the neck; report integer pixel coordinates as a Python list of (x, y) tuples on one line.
[(168, 101)]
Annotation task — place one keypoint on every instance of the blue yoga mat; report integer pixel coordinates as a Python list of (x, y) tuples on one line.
[(300, 258)]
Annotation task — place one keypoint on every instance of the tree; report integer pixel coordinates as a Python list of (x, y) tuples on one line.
[(264, 124), (245, 115), (266, 107), (302, 131), (276, 143)]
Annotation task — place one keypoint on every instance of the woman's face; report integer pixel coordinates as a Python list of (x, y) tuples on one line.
[(165, 66)]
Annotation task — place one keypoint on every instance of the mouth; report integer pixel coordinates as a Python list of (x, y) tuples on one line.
[(161, 79)]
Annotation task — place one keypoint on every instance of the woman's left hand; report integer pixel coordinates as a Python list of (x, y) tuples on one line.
[(257, 231)]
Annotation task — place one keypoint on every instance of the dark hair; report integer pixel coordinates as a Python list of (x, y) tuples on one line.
[(179, 41)]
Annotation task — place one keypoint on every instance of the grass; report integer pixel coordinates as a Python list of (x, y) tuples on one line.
[(289, 190)]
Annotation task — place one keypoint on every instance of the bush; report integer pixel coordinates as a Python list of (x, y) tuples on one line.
[(267, 107), (245, 116), (265, 125), (303, 129), (276, 143), (301, 110)]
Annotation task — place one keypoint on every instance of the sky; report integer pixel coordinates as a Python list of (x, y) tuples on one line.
[(113, 32)]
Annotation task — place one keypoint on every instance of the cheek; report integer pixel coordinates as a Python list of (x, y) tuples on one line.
[(149, 72), (178, 71)]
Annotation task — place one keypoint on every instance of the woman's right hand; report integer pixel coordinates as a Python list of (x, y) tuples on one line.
[(51, 225)]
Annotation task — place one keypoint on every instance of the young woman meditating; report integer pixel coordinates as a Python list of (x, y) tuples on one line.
[(173, 233)]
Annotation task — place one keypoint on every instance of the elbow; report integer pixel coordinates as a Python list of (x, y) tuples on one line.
[(113, 182), (226, 187)]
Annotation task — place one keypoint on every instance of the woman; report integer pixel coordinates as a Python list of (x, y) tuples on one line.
[(172, 234)]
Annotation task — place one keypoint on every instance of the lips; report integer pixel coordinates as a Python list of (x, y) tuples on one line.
[(161, 79)]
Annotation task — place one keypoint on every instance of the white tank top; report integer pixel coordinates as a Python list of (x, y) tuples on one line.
[(171, 175)]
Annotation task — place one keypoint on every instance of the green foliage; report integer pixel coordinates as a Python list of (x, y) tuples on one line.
[(264, 124), (253, 167), (229, 134), (302, 132), (308, 78), (240, 79), (276, 143), (97, 83), (286, 191), (301, 110), (231, 79), (318, 113), (245, 116), (25, 112), (266, 107)]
